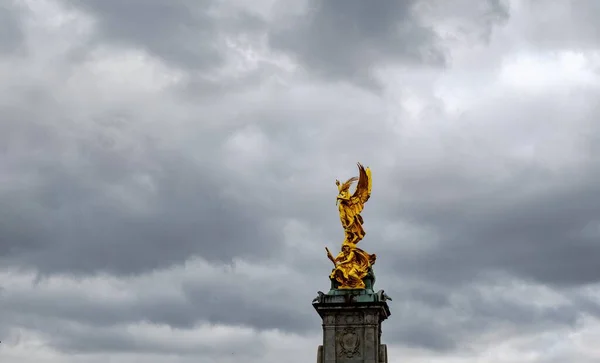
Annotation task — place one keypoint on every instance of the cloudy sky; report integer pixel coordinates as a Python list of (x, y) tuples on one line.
[(167, 176)]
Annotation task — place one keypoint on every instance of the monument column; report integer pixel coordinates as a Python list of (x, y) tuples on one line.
[(352, 313), (352, 326)]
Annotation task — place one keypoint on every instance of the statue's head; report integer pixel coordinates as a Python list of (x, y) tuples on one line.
[(347, 247), (343, 192), (345, 250), (344, 188)]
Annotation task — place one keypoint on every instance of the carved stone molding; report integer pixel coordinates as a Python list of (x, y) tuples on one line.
[(350, 319), (329, 319), (349, 343)]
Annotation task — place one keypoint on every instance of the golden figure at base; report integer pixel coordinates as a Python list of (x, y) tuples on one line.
[(352, 264)]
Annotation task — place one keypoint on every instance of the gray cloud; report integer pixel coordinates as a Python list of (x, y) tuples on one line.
[(433, 317), (181, 32), (448, 318), (67, 223), (565, 24), (345, 41), (209, 200), (112, 200), (532, 224), (349, 41), (11, 33)]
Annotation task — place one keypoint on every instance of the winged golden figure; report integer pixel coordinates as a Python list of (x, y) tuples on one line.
[(352, 264), (350, 206)]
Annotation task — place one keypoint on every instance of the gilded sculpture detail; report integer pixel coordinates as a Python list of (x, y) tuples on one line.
[(352, 264)]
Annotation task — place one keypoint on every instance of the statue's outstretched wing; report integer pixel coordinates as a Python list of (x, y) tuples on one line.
[(363, 189)]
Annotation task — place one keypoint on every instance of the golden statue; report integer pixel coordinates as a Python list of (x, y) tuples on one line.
[(352, 264)]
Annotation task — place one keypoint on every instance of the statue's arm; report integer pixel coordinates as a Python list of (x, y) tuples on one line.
[(330, 256), (344, 198), (349, 259)]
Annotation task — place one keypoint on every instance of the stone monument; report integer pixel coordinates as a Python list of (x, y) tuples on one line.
[(352, 312)]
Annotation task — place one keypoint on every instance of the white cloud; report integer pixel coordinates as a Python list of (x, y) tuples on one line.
[(561, 72)]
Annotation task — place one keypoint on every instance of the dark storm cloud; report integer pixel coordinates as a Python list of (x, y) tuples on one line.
[(349, 40), (215, 297), (445, 318), (11, 33), (215, 302), (536, 236), (182, 32), (66, 217), (180, 186), (426, 323), (345, 40), (422, 334), (80, 338), (102, 192), (268, 310)]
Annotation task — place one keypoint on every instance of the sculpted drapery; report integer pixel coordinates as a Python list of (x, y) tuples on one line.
[(352, 264)]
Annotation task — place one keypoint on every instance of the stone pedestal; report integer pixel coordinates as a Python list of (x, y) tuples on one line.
[(352, 325)]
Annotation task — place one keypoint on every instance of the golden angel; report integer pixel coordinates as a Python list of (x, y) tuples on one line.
[(352, 263), (350, 206)]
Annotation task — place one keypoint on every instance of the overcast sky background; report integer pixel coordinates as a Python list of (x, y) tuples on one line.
[(167, 176)]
